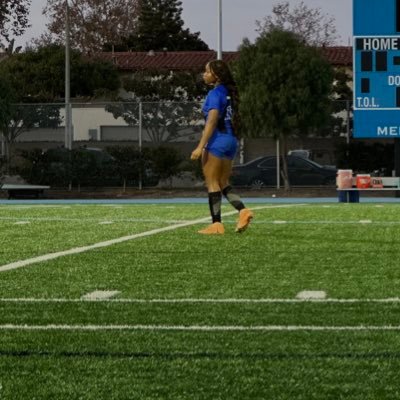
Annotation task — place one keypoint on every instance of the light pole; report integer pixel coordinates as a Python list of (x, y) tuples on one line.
[(219, 54), (68, 116)]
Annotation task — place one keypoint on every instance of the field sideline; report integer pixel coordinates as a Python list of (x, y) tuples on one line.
[(127, 301)]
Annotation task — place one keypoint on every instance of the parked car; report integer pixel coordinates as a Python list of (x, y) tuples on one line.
[(300, 153), (302, 172), (319, 156), (86, 166)]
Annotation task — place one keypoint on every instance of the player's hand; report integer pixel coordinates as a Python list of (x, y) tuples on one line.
[(196, 153)]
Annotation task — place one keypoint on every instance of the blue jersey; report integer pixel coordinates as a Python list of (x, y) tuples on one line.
[(223, 143), (218, 99)]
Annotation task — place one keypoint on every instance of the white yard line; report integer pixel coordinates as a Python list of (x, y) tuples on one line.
[(176, 221), (194, 301), (99, 220), (100, 295), (199, 328), (311, 294), (107, 243), (6, 207), (347, 222)]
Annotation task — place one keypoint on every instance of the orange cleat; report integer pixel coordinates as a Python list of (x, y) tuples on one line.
[(214, 229), (245, 216)]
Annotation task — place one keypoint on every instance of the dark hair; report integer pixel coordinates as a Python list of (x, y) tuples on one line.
[(222, 72)]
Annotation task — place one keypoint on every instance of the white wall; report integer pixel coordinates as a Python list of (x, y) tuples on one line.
[(86, 117)]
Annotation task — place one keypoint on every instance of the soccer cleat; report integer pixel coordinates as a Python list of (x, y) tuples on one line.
[(214, 229), (245, 216)]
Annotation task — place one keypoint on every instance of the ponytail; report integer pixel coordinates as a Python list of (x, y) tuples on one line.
[(235, 101)]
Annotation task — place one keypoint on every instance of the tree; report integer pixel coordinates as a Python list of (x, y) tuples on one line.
[(129, 164), (39, 75), (364, 156), (23, 118), (169, 103), (285, 88), (139, 25), (167, 162), (13, 18), (315, 28), (160, 27), (36, 77), (7, 97), (341, 105), (93, 23)]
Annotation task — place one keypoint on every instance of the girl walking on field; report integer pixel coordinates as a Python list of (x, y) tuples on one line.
[(218, 145)]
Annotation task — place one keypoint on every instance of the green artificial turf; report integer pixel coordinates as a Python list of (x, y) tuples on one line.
[(349, 251)]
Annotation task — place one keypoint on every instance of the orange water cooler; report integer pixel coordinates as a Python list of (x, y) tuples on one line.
[(363, 181)]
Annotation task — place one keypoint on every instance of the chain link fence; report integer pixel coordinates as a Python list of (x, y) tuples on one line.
[(129, 144)]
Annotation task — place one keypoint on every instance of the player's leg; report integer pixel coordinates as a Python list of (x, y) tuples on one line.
[(245, 215), (212, 168), (227, 189)]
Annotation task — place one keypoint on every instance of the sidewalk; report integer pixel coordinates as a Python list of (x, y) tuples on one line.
[(117, 193), (156, 195)]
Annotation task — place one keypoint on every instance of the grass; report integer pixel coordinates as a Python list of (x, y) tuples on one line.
[(138, 345)]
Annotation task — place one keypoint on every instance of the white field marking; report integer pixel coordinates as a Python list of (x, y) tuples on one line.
[(174, 221), (21, 222), (4, 207), (100, 295), (379, 206), (365, 221), (327, 222), (198, 301), (107, 243), (61, 219), (106, 222), (199, 328), (311, 294), (100, 220)]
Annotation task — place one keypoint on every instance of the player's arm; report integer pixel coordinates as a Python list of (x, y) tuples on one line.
[(211, 124)]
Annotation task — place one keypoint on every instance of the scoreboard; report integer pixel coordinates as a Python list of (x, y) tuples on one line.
[(376, 68)]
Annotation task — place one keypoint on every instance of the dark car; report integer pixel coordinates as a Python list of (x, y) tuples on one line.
[(302, 172), (88, 166)]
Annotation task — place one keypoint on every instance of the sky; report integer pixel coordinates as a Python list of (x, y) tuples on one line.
[(238, 19)]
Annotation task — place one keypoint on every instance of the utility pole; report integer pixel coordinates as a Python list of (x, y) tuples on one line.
[(68, 117)]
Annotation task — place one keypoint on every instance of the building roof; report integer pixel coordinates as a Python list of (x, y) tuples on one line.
[(339, 55), (169, 60), (196, 60)]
